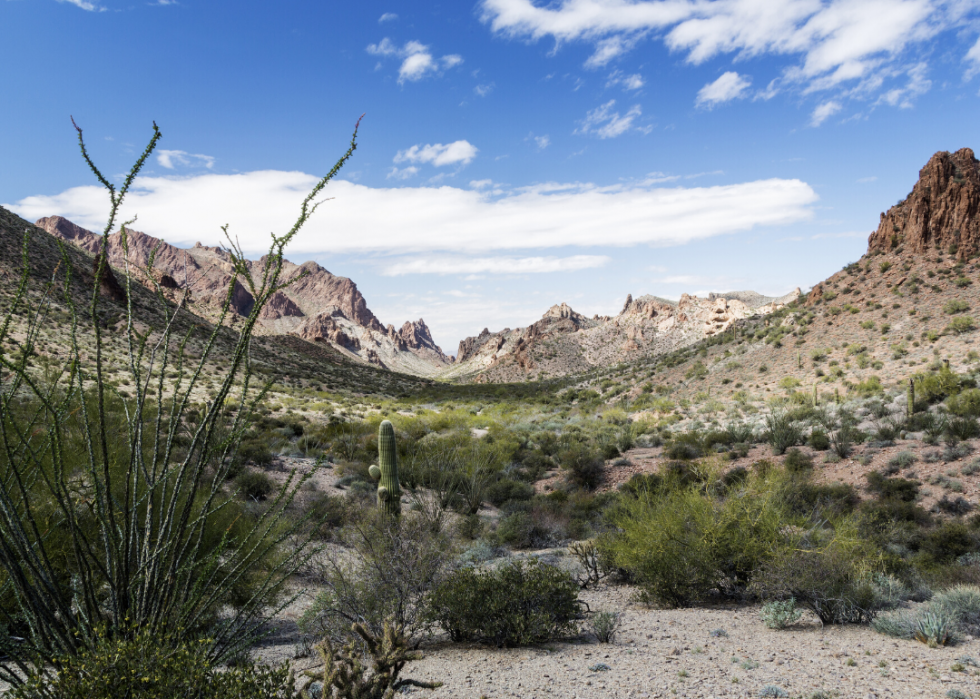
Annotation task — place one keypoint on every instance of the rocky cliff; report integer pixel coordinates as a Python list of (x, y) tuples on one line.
[(564, 341), (942, 211), (318, 306)]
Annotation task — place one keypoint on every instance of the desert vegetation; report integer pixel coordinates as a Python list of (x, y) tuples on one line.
[(174, 491)]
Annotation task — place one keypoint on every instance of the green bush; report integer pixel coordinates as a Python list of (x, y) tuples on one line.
[(255, 485), (965, 404), (960, 325), (833, 580), (681, 544), (145, 666), (779, 614), (515, 604), (583, 464), (507, 489), (955, 306), (782, 432), (798, 462), (818, 440)]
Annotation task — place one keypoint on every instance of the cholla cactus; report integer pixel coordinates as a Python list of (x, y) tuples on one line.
[(389, 492)]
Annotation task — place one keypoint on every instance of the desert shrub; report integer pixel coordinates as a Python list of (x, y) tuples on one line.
[(955, 306), (797, 462), (144, 665), (515, 604), (681, 545), (892, 488), (965, 404), (678, 449), (583, 464), (963, 427), (393, 567), (957, 506), (779, 614), (831, 573), (604, 625), (948, 541), (818, 440), (255, 485), (943, 620), (960, 325), (782, 432), (802, 497), (507, 489), (901, 460)]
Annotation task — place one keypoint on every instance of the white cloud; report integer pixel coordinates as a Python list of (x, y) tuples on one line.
[(417, 59), (387, 17), (484, 90), (453, 59), (867, 180), (385, 47), (419, 219), (628, 82), (918, 84), (829, 41), (481, 184), (172, 158), (493, 265), (605, 123), (83, 4), (972, 59), (608, 49), (727, 87), (824, 111), (438, 154), (402, 174), (542, 141)]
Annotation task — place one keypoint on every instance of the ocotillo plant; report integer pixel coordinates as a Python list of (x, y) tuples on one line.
[(911, 398), (389, 492)]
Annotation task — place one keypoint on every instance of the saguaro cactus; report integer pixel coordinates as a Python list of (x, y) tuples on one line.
[(389, 492), (911, 398)]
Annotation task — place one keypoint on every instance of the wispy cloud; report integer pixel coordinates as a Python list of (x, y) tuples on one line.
[(387, 17), (828, 45), (484, 90), (972, 60), (447, 219), (85, 5), (729, 86), (447, 265), (417, 59), (627, 82), (457, 152), (170, 159), (606, 123), (824, 112)]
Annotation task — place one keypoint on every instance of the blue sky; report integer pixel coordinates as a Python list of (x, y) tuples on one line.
[(513, 154)]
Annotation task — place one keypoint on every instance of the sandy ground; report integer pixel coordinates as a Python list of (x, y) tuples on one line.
[(668, 653)]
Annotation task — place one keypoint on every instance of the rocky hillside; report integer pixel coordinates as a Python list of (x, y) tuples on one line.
[(906, 305), (566, 342), (292, 362), (318, 306)]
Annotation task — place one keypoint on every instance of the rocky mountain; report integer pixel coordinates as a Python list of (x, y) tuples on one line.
[(317, 306), (565, 342), (942, 211)]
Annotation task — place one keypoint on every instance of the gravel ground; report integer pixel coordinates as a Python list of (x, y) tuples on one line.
[(673, 653)]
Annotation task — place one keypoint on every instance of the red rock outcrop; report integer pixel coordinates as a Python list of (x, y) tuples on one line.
[(323, 328), (943, 210)]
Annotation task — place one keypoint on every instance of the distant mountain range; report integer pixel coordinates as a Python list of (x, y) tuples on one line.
[(941, 212)]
